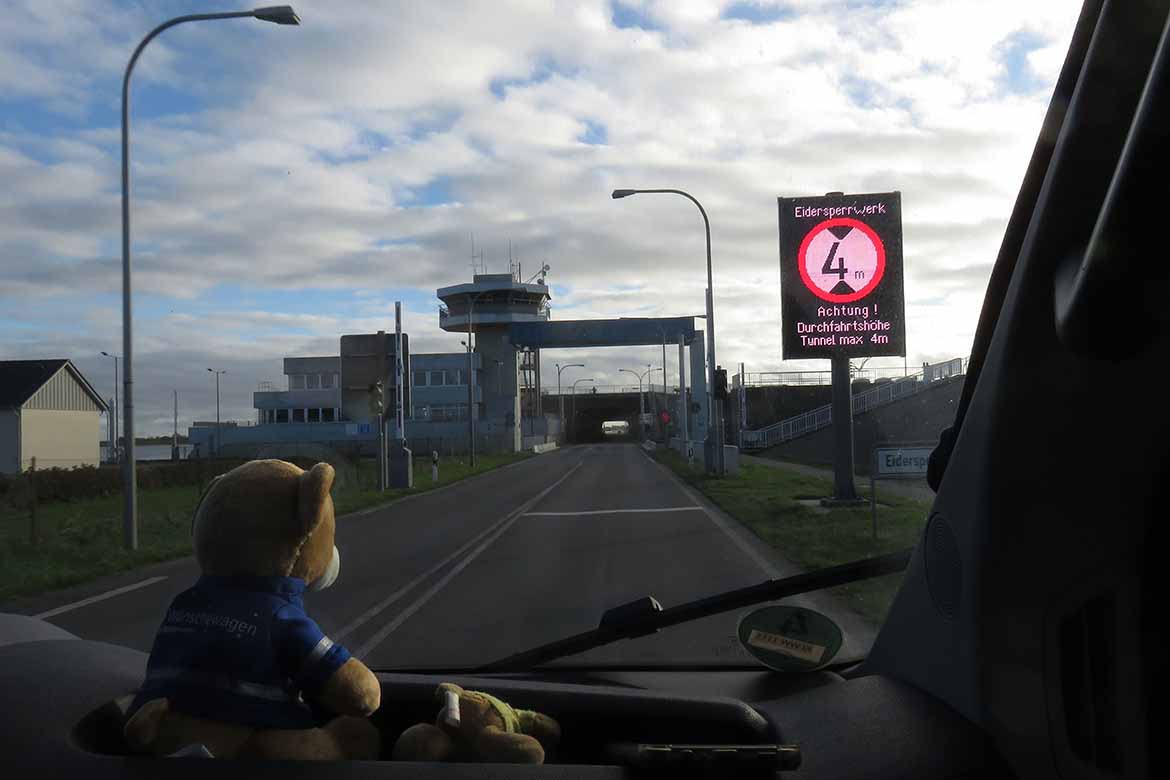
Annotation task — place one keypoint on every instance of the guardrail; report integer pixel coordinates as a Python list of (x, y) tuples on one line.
[(822, 417)]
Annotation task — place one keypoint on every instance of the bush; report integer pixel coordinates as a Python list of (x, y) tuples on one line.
[(87, 482)]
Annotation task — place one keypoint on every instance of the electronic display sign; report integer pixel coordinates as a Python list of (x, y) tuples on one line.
[(841, 292)]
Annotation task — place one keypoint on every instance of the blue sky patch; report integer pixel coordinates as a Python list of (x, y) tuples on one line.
[(862, 92), (1018, 76), (595, 133), (758, 12), (435, 192), (626, 16), (543, 69)]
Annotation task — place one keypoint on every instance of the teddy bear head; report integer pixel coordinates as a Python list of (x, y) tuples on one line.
[(269, 518)]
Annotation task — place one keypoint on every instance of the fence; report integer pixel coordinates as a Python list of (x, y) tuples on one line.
[(773, 378), (822, 417)]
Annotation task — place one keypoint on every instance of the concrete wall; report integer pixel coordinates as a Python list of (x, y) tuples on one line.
[(9, 441), (59, 439), (359, 369), (501, 410), (919, 418)]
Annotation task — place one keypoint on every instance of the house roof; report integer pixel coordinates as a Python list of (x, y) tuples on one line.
[(21, 379)]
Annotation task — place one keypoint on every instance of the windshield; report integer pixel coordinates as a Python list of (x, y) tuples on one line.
[(488, 230)]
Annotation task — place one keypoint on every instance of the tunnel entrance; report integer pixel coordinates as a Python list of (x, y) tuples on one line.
[(590, 413), (615, 428)]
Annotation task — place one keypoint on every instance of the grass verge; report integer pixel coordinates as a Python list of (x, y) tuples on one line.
[(81, 540), (767, 500)]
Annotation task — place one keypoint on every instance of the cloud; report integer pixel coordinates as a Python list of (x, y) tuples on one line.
[(345, 163)]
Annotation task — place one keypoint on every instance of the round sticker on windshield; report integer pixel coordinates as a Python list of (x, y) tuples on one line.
[(790, 639)]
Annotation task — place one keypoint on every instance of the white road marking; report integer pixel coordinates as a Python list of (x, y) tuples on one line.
[(373, 611), (768, 567), (695, 508), (109, 594), (497, 530)]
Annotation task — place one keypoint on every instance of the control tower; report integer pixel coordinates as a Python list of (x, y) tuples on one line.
[(485, 308)]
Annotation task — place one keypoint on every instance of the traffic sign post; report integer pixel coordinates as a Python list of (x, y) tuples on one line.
[(841, 296), (895, 461)]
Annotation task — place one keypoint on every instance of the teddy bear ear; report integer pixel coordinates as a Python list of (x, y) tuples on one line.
[(315, 485)]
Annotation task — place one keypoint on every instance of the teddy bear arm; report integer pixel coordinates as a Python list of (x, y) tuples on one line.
[(541, 726), (495, 744), (352, 690)]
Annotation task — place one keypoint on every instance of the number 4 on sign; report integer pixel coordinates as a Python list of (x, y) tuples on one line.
[(828, 268)]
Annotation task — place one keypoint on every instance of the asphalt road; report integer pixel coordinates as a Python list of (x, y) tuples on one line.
[(499, 563)]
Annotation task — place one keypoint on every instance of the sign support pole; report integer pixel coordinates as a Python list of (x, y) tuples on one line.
[(381, 418), (683, 405), (843, 487), (873, 497)]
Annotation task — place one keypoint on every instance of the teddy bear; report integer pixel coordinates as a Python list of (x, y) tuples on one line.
[(476, 726), (237, 665)]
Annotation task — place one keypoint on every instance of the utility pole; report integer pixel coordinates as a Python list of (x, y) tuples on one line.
[(281, 14), (218, 428), (380, 391), (114, 454), (561, 368), (175, 431), (683, 410)]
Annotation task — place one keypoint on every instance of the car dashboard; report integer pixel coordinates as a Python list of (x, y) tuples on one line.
[(62, 717)]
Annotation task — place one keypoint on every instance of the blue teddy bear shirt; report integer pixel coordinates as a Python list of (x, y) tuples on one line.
[(241, 650)]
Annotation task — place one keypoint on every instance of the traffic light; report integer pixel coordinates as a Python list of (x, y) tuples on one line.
[(376, 395), (720, 390)]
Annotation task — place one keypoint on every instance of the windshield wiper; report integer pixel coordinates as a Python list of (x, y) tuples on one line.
[(646, 616)]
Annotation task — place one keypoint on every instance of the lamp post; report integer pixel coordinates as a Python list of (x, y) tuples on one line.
[(711, 416), (114, 410), (561, 368), (278, 14), (218, 431), (574, 410), (641, 398)]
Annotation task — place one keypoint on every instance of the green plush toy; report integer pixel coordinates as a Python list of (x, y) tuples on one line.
[(476, 726)]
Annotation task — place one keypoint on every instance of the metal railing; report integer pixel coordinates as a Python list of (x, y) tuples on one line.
[(610, 389), (822, 417), (772, 378)]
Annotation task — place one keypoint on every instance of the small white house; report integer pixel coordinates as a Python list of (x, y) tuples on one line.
[(48, 411)]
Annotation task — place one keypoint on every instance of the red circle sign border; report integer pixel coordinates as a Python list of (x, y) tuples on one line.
[(854, 296)]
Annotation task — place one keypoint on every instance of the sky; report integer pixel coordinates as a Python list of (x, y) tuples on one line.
[(291, 183)]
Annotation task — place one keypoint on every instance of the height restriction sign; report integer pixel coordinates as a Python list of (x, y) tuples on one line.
[(841, 276)]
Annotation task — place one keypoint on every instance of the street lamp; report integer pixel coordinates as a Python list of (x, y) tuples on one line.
[(641, 398), (114, 420), (711, 416), (561, 368), (278, 14), (218, 431), (661, 332), (574, 414)]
